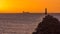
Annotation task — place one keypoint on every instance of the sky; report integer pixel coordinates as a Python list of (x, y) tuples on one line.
[(32, 6)]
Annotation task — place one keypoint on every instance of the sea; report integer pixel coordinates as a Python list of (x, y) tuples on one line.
[(21, 23)]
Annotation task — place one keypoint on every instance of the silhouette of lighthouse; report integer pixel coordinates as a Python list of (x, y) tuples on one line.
[(45, 11)]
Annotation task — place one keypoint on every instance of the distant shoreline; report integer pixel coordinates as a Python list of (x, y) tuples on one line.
[(29, 13)]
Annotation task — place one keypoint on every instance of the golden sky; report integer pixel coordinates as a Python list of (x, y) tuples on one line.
[(33, 6)]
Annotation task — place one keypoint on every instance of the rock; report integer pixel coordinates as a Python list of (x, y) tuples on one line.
[(49, 25)]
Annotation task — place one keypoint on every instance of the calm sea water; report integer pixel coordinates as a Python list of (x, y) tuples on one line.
[(21, 23)]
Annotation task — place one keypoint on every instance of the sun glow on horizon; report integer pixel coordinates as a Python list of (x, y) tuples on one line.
[(33, 6)]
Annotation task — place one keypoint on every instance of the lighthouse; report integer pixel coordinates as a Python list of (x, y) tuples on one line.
[(45, 11)]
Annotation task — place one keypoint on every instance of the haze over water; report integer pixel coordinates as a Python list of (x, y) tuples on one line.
[(21, 23)]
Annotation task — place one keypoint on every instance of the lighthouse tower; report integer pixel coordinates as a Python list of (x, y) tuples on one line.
[(45, 11)]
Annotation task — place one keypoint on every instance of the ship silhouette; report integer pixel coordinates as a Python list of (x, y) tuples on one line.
[(25, 12)]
